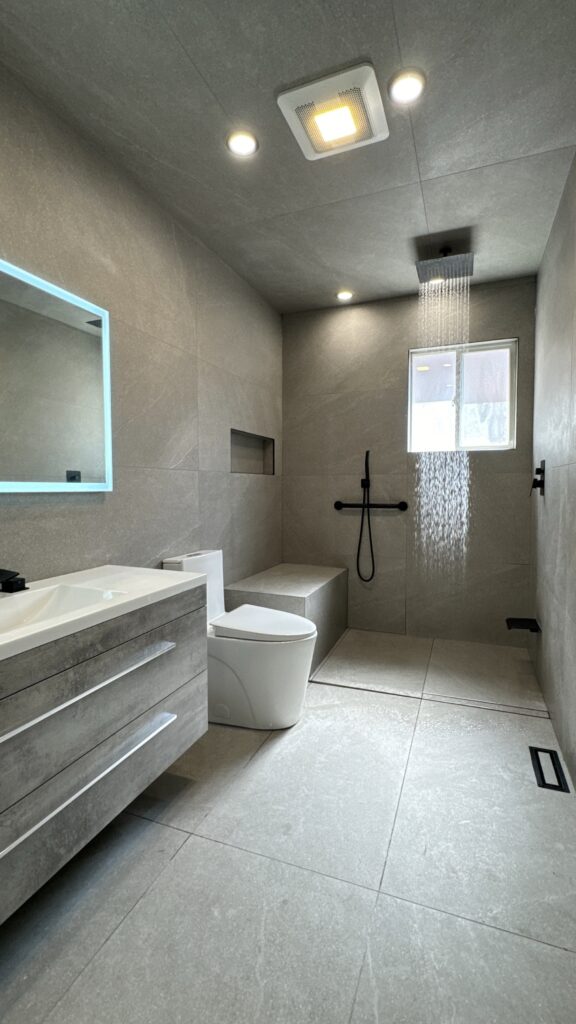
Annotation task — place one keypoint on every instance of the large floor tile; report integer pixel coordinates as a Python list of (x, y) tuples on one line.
[(377, 661), (323, 795), (185, 794), (483, 672), (226, 937), (474, 834), (424, 967), (50, 940)]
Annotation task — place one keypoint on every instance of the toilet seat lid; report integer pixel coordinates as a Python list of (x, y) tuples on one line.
[(251, 622)]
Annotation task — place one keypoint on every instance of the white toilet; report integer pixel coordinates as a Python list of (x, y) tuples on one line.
[(258, 658)]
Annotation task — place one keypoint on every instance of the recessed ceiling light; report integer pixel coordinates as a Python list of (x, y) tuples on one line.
[(242, 143), (406, 86), (422, 369), (336, 113), (344, 295)]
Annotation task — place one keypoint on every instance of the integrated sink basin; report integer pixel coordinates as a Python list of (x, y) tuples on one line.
[(36, 606), (62, 605)]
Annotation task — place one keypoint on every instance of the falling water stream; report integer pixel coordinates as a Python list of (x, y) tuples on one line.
[(443, 478)]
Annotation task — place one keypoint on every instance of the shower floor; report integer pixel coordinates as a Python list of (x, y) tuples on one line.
[(389, 860)]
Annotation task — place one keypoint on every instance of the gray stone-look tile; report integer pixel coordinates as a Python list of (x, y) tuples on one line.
[(323, 794), (228, 936), (195, 783), (426, 967), (483, 672), (474, 834), (52, 938), (378, 661)]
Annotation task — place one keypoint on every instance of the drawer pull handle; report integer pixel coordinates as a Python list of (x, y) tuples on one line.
[(153, 652), (164, 720)]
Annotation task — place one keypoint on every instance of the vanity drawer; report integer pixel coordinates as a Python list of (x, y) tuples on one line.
[(47, 827), (32, 666), (49, 725)]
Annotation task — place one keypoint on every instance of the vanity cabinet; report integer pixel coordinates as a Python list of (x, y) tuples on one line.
[(86, 723)]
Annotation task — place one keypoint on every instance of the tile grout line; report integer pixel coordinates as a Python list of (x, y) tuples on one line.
[(405, 770), (476, 921), (340, 639), (287, 863), (118, 925)]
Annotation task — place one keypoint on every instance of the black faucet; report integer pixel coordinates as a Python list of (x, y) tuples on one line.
[(11, 582)]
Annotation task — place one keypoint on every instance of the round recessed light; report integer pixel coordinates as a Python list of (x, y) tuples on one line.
[(344, 295), (406, 86), (242, 143)]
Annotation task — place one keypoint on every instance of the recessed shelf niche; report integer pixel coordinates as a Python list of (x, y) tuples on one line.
[(251, 453)]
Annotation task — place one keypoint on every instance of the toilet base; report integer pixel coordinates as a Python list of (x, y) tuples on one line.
[(267, 686)]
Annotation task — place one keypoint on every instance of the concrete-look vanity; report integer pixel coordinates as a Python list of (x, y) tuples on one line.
[(102, 686)]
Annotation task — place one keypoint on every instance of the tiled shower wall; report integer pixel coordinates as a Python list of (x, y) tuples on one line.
[(555, 441), (194, 352), (345, 390)]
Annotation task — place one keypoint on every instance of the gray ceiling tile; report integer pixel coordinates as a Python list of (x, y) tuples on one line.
[(300, 260), (501, 79), (510, 208), (159, 83)]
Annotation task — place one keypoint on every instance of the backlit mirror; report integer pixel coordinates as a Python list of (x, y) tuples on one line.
[(55, 429)]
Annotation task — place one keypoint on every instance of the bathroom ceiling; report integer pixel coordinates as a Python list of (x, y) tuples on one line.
[(160, 83)]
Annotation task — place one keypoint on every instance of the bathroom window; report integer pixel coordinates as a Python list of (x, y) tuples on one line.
[(463, 397)]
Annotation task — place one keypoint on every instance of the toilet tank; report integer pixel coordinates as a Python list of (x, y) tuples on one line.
[(210, 563)]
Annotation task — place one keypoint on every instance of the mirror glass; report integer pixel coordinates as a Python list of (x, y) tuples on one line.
[(55, 429)]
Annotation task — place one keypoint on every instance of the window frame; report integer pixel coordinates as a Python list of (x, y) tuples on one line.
[(511, 345)]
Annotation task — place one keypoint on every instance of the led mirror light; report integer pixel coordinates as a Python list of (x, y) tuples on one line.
[(344, 295), (242, 143), (336, 124), (407, 86)]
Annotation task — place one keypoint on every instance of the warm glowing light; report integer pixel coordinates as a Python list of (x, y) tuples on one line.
[(335, 124), (406, 86), (242, 143), (344, 295), (436, 280)]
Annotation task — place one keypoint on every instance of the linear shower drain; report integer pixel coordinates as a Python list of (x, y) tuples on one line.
[(547, 766)]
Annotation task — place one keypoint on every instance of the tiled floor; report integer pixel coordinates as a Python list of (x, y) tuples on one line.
[(390, 860)]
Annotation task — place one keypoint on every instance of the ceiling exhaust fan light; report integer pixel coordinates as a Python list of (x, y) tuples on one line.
[(406, 86), (336, 124)]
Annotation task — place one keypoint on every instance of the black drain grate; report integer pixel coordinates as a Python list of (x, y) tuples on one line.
[(554, 762)]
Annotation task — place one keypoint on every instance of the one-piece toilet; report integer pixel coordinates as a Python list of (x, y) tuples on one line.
[(259, 659)]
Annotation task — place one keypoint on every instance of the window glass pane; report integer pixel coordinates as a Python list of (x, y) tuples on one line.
[(485, 398), (433, 404)]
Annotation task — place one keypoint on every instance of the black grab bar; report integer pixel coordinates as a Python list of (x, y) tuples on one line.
[(400, 505)]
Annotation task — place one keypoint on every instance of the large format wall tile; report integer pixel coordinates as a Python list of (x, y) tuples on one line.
[(554, 523), (314, 795), (345, 391), (475, 836), (70, 216), (296, 954)]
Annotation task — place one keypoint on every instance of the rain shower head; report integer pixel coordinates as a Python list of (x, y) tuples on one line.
[(445, 267)]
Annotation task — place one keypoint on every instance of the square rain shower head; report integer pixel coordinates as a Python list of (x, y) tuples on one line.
[(443, 268), (336, 113)]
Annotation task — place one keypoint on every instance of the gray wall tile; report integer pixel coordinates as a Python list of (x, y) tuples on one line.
[(195, 351), (553, 522), (345, 390)]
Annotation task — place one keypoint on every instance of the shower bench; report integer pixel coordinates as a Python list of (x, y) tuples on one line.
[(317, 592)]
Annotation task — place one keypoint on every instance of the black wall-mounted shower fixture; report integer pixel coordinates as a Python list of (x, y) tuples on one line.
[(366, 505), (538, 483)]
